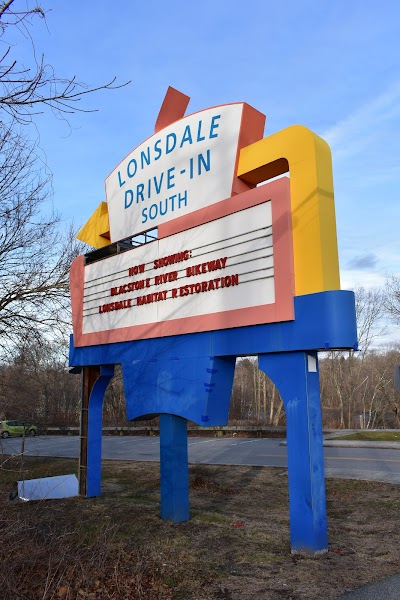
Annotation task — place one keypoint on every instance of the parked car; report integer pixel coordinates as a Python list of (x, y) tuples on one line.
[(8, 428)]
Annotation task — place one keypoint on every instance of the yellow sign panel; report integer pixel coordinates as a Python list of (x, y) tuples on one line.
[(307, 157)]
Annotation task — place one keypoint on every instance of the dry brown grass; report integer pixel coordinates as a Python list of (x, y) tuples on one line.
[(236, 545)]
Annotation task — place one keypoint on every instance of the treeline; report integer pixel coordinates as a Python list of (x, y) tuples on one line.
[(357, 390), (37, 386)]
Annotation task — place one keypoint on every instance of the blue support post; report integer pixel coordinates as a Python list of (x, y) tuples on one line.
[(296, 376), (174, 470), (94, 431)]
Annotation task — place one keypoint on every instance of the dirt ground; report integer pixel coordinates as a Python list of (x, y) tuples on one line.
[(236, 545)]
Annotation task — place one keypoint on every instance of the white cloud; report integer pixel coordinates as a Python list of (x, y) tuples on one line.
[(360, 129), (353, 278)]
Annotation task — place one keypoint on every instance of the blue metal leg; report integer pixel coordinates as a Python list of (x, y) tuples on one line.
[(94, 433), (174, 472), (296, 376)]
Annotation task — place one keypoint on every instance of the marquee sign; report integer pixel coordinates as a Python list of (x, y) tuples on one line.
[(238, 263), (227, 254), (234, 270)]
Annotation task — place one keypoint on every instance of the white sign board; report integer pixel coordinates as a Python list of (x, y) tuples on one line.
[(225, 265), (182, 168)]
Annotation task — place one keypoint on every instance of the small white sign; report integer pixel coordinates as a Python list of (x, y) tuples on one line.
[(46, 488), (312, 363), (180, 169)]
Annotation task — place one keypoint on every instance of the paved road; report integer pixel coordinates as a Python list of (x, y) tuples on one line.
[(387, 589), (371, 462)]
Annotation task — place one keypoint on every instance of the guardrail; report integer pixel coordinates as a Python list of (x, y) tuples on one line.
[(253, 431)]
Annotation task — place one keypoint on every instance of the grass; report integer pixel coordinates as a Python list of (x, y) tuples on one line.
[(236, 546), (371, 436)]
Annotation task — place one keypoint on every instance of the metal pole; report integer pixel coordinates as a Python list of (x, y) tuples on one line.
[(89, 376)]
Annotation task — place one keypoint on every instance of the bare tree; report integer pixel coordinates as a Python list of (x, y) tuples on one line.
[(359, 392), (25, 92), (34, 255), (35, 384), (392, 297), (370, 308), (343, 377), (254, 396)]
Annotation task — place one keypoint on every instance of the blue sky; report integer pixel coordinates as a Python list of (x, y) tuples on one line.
[(333, 67)]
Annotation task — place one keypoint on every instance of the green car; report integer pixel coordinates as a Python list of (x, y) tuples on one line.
[(8, 428)]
